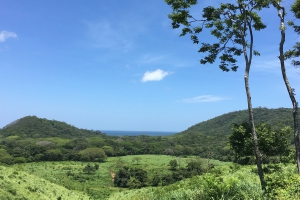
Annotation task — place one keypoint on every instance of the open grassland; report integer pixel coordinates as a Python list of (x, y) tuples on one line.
[(67, 180), (98, 185), (223, 182), (16, 184)]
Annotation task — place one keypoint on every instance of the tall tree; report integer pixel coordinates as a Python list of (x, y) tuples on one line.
[(282, 56), (232, 24)]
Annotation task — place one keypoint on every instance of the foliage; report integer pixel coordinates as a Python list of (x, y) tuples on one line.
[(137, 160), (295, 52), (5, 157), (32, 126), (224, 181), (207, 139), (16, 184), (195, 167), (270, 142), (173, 164), (226, 23), (220, 183), (89, 169), (93, 154), (130, 177), (122, 177), (283, 183), (221, 125)]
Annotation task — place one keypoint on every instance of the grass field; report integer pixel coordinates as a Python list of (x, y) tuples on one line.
[(69, 174), (16, 184), (99, 185)]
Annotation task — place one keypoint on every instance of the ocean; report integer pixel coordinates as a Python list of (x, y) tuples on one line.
[(135, 133)]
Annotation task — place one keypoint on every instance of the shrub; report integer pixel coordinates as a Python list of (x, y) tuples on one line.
[(92, 154)]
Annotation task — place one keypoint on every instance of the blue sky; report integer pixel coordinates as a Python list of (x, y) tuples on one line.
[(118, 65)]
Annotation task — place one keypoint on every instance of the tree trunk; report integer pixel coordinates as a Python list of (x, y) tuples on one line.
[(254, 135), (281, 14), (247, 25)]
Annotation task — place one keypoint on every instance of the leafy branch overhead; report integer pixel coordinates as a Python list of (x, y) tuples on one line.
[(227, 23), (295, 52)]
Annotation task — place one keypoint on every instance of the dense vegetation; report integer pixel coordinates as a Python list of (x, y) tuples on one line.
[(32, 139), (222, 125), (87, 180), (92, 164), (225, 182), (72, 180)]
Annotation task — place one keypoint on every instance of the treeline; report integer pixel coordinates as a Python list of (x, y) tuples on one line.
[(222, 125), (133, 177), (14, 149), (32, 139)]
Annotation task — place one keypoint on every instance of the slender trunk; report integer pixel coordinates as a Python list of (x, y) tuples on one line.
[(281, 14), (247, 25), (254, 135)]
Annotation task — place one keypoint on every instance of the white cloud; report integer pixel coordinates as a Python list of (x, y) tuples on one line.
[(156, 75), (6, 34), (203, 98)]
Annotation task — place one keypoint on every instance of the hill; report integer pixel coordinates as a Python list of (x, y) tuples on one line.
[(17, 184), (209, 139), (34, 139), (34, 127), (222, 125)]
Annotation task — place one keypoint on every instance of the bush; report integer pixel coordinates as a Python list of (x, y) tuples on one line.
[(173, 164), (20, 160), (93, 154), (132, 178)]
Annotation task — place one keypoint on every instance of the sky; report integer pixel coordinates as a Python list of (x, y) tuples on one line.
[(119, 65)]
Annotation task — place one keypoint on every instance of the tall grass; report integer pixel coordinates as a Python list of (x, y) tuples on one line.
[(223, 182), (16, 184)]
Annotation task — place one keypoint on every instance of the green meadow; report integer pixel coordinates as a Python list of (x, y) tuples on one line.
[(66, 180)]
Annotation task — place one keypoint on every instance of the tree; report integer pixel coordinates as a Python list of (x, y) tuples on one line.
[(132, 178), (93, 154), (232, 25), (195, 167), (140, 177), (241, 143), (173, 164), (89, 169), (295, 52), (109, 151), (136, 159), (270, 142), (273, 143), (122, 177), (169, 151), (54, 155), (282, 56)]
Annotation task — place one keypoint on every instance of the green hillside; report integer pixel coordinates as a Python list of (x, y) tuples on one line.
[(34, 139), (34, 127), (17, 184), (209, 139), (222, 125)]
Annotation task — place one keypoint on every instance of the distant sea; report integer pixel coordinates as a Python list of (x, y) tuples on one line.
[(135, 133)]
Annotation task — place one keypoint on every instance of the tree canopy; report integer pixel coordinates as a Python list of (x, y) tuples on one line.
[(295, 52)]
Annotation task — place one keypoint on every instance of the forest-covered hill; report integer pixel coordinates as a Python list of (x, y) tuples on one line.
[(222, 124), (34, 127), (34, 139)]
